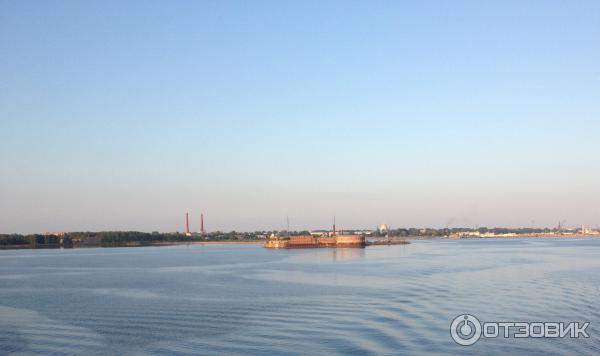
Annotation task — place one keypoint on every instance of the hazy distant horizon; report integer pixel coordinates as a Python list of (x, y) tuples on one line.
[(196, 229), (299, 229), (123, 116)]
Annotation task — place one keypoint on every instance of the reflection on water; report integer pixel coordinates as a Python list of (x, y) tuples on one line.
[(347, 254), (249, 300)]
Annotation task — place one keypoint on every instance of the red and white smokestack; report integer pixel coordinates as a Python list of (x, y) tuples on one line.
[(187, 224), (202, 223)]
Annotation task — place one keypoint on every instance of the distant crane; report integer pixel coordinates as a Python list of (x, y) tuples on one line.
[(334, 225)]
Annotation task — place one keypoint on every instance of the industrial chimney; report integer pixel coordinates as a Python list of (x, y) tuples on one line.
[(187, 225), (202, 223)]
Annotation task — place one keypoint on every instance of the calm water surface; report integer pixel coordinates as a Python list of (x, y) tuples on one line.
[(244, 299)]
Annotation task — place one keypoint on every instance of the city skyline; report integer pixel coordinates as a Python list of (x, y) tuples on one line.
[(123, 116)]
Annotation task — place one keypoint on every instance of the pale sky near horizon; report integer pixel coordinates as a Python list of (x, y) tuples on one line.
[(123, 115)]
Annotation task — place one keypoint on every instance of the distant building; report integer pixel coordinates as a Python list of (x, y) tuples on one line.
[(587, 231), (383, 229), (362, 232)]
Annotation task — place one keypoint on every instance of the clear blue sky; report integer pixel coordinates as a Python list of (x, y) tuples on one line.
[(127, 114)]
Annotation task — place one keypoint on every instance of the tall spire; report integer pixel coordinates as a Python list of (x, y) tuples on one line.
[(334, 224)]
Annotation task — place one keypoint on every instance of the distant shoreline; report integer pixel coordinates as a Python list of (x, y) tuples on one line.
[(129, 244), (226, 242), (550, 236), (372, 242)]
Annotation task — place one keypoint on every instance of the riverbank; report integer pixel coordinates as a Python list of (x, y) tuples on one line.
[(227, 242), (128, 244), (372, 242), (387, 242)]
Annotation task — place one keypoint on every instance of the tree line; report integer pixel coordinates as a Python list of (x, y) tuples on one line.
[(118, 238)]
